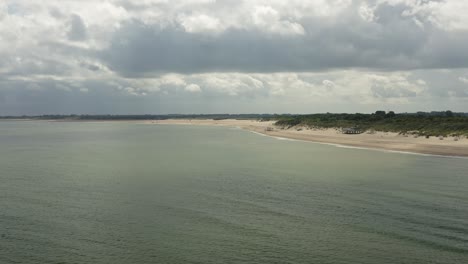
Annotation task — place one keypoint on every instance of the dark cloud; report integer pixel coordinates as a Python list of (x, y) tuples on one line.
[(89, 66), (78, 31), (391, 42)]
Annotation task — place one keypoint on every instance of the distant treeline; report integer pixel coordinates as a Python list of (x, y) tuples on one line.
[(444, 123), (143, 117)]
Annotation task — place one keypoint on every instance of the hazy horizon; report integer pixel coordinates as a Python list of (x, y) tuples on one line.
[(210, 114)]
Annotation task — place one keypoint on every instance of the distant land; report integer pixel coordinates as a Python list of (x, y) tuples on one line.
[(435, 123)]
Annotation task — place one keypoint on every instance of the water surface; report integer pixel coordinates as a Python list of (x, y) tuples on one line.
[(128, 193)]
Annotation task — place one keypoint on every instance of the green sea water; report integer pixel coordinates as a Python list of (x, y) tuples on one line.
[(76, 192)]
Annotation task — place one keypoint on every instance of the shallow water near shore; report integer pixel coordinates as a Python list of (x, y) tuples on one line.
[(133, 193)]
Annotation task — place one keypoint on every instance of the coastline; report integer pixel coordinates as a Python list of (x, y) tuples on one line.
[(377, 141), (383, 141)]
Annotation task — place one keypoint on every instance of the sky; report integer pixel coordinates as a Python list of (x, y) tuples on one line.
[(232, 56)]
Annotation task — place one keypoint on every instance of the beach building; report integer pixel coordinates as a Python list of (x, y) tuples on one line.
[(351, 130)]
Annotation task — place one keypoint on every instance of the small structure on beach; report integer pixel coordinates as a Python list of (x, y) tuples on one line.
[(351, 130), (269, 129)]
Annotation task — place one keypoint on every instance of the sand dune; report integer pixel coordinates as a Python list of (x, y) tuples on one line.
[(379, 140)]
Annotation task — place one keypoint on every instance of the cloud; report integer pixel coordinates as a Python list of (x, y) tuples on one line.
[(200, 23), (328, 84), (386, 36), (154, 37), (78, 31), (134, 91), (258, 55), (193, 88), (395, 87), (354, 91), (269, 19), (463, 80)]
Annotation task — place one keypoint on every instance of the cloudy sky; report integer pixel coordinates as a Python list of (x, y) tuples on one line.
[(232, 56)]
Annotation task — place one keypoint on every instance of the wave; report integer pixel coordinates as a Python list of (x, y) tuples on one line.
[(287, 139)]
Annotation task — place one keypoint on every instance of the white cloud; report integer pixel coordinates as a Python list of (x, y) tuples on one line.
[(134, 91), (193, 88), (463, 79), (448, 15), (366, 12), (269, 19), (328, 84), (173, 79), (200, 23), (396, 87)]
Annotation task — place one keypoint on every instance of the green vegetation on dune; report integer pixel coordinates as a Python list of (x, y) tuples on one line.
[(444, 123), (427, 124)]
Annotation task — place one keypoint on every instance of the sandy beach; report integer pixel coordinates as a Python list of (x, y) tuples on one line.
[(378, 140)]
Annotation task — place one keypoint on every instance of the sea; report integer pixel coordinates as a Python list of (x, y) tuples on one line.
[(122, 192)]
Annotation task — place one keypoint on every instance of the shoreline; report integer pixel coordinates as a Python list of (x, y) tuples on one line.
[(380, 141)]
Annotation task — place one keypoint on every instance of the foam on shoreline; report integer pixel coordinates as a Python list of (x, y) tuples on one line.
[(359, 148)]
